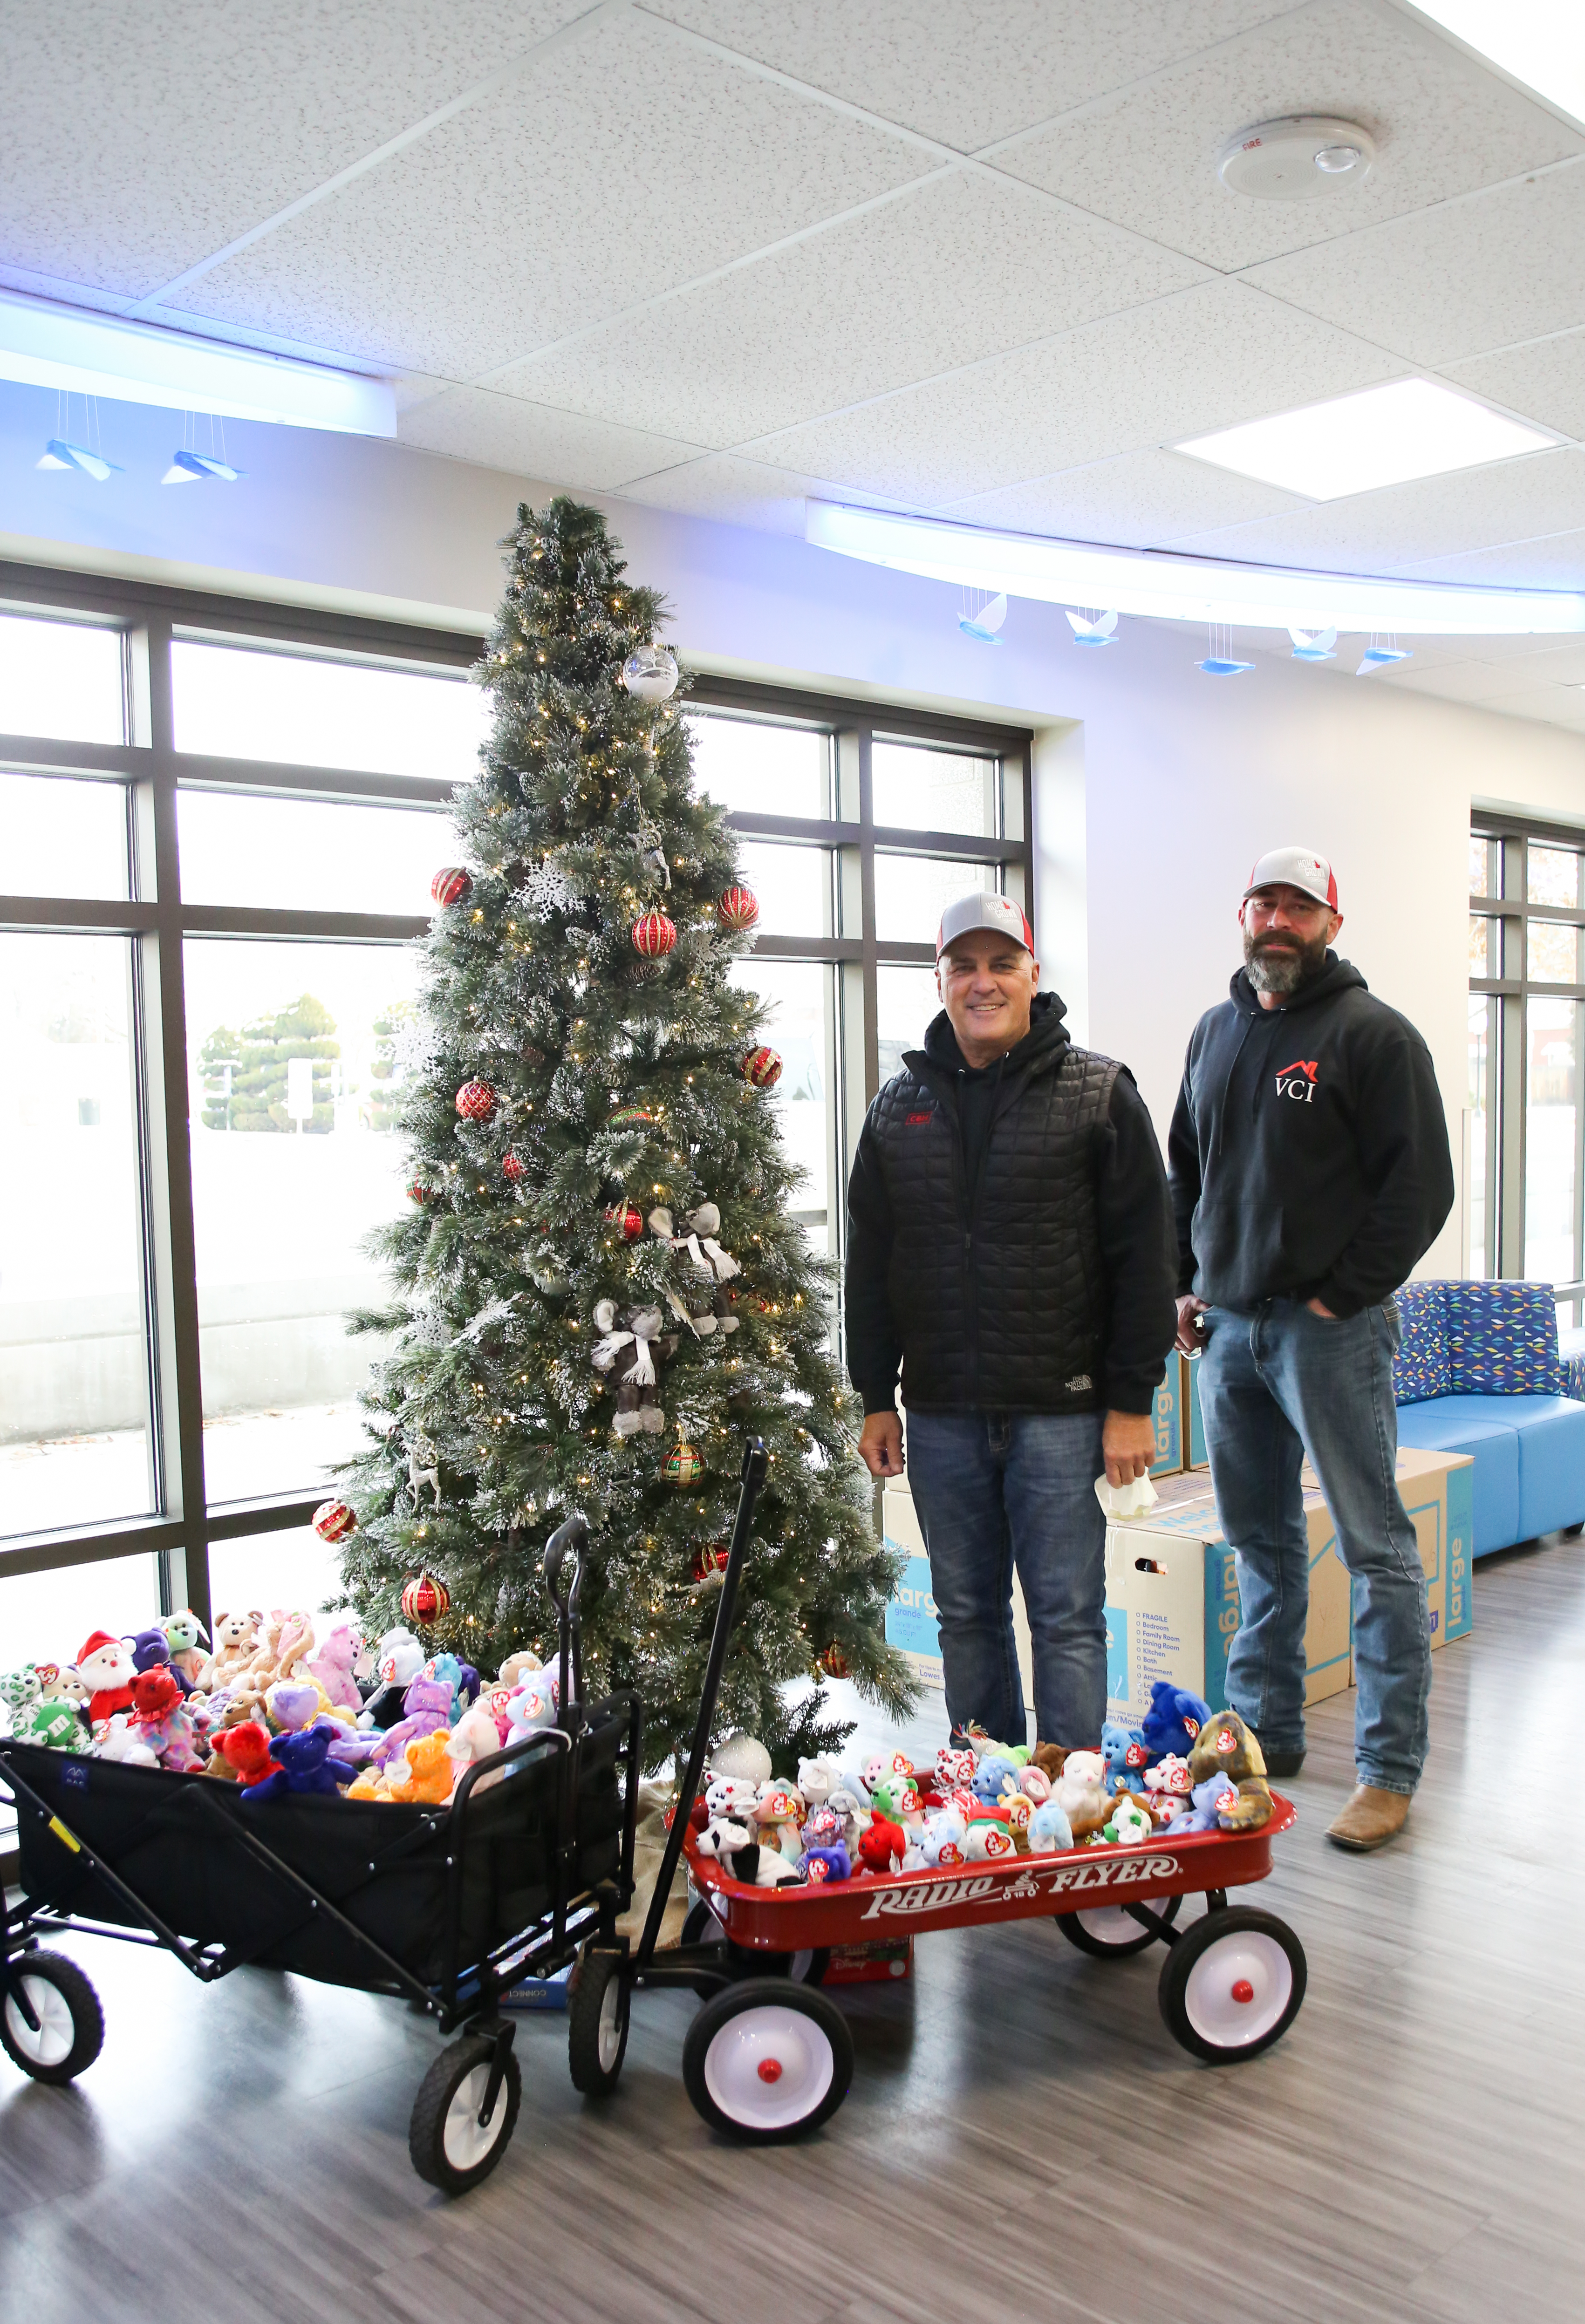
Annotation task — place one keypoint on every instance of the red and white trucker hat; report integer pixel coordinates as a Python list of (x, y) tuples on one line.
[(1295, 867), (984, 910)]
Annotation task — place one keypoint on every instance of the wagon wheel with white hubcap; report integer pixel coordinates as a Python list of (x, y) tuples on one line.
[(1111, 1932), (768, 2059), (67, 2028), (807, 1967), (597, 2023), (452, 2148), (1232, 1983)]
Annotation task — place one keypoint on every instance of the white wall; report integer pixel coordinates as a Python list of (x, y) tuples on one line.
[(1156, 786)]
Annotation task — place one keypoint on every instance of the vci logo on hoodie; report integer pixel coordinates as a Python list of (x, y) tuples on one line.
[(1297, 1081)]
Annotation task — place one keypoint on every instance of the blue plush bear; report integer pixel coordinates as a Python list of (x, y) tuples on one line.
[(993, 1775), (302, 1763), (1202, 1816), (1173, 1720), (1127, 1755)]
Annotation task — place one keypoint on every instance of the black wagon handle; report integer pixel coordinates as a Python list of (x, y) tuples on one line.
[(568, 1546), (756, 1466)]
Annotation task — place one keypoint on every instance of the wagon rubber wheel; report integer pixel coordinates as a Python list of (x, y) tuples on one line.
[(1109, 1933), (68, 2028), (1232, 1983), (598, 2011), (768, 2060), (450, 2147), (806, 1968)]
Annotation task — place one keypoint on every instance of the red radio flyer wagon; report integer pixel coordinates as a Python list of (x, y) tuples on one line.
[(770, 2055)]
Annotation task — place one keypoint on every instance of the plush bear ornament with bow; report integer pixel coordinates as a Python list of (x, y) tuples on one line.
[(629, 1353)]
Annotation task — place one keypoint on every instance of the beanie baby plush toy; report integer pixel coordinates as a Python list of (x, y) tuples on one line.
[(107, 1670), (1173, 1720), (304, 1764), (1226, 1747)]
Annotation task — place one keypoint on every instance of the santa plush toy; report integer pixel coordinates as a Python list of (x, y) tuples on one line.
[(106, 1667)]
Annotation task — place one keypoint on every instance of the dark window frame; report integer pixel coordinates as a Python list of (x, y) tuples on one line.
[(155, 923)]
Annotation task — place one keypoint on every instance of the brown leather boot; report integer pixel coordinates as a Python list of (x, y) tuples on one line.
[(1370, 1817)]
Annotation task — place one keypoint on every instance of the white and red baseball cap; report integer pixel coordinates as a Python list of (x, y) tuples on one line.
[(1295, 867), (981, 910)]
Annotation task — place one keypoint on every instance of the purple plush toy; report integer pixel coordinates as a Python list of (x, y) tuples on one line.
[(818, 1864), (1202, 1816), (303, 1764), (427, 1705), (151, 1650)]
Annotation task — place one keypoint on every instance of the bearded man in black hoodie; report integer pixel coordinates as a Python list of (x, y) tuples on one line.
[(1010, 1248), (1310, 1172)]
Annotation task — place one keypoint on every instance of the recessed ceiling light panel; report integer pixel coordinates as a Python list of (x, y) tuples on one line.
[(1359, 443), (1297, 159)]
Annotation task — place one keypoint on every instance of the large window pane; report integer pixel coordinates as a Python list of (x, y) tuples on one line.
[(799, 996), (912, 891), (1481, 1094), (62, 838), (1552, 1198), (1482, 950), (247, 703), (294, 1568), (755, 770), (1554, 875), (316, 855), (934, 790), (906, 999), (793, 886), (1484, 860), (63, 679), (1554, 951), (74, 1446), (297, 1056), (46, 1616)]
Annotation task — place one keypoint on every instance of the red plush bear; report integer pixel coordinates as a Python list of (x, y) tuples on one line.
[(243, 1752), (156, 1694), (882, 1844)]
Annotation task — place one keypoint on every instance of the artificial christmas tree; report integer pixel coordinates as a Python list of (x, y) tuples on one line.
[(601, 1292)]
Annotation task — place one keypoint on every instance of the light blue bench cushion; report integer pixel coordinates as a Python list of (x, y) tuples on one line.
[(1465, 1424), (1552, 1460)]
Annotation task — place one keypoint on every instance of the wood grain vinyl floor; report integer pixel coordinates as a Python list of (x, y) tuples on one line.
[(1023, 2139)]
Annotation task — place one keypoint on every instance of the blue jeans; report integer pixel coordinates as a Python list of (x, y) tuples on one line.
[(993, 1491), (1275, 1385)]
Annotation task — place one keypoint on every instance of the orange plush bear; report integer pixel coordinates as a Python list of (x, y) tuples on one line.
[(431, 1774)]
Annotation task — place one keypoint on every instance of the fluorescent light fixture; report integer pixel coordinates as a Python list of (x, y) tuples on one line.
[(44, 346), (1542, 43), (1185, 588), (1359, 443), (59, 455)]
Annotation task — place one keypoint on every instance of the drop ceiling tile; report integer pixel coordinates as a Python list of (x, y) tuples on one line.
[(1480, 682), (1545, 383), (1554, 561), (1458, 281), (531, 439), (965, 71), (1442, 125), (630, 162), (134, 141), (1138, 500), (735, 491), (1202, 359), (1406, 525), (956, 269)]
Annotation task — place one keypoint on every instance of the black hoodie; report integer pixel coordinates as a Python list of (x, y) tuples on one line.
[(1308, 1153), (961, 1216)]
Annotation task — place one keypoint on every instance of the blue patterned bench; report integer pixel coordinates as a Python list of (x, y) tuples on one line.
[(1480, 1371)]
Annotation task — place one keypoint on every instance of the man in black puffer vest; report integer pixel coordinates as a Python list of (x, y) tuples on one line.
[(1011, 1247)]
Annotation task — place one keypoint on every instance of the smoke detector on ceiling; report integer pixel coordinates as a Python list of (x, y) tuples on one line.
[(1297, 159)]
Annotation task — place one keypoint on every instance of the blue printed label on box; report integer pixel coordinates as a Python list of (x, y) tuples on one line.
[(1117, 1653), (1168, 1418), (910, 1618)]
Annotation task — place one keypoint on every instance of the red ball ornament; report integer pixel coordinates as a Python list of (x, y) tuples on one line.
[(425, 1599), (761, 1069), (654, 936), (628, 1218), (630, 1117), (512, 1170), (451, 885), (417, 1194), (835, 1662), (738, 909), (710, 1560), (475, 1101), (334, 1521)]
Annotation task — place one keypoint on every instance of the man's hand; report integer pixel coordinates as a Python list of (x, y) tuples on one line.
[(1190, 1341), (881, 1445), (1128, 1445), (1316, 1308)]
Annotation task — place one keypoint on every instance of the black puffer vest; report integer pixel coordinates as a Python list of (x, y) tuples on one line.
[(1004, 1310)]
